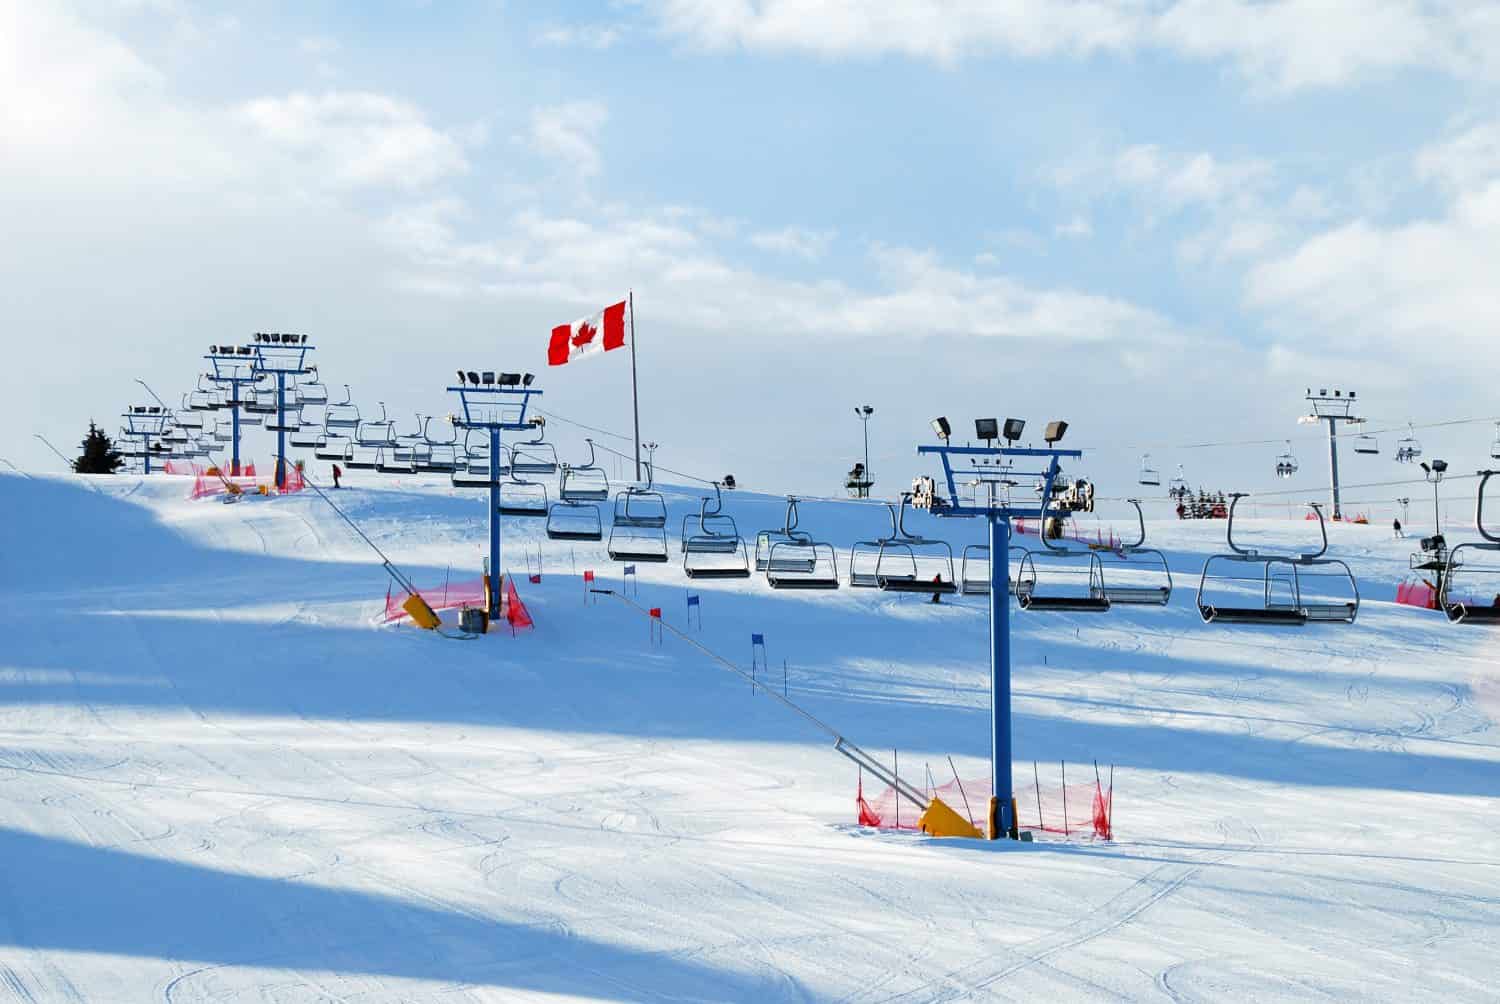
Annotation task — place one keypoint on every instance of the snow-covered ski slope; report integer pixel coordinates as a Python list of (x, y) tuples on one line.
[(221, 781)]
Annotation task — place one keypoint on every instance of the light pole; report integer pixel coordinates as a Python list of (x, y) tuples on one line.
[(1434, 475), (863, 413)]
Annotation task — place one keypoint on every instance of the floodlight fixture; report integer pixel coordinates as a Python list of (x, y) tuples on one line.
[(473, 378), (1439, 466), (460, 378), (1055, 432), (942, 428), (987, 429), (864, 410), (528, 379), (510, 379), (1013, 428), (729, 481), (487, 378)]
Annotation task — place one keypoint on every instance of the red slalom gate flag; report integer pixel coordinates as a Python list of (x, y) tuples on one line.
[(603, 332)]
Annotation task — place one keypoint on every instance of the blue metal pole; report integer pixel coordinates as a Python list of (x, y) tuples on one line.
[(1000, 821), (146, 448), (280, 430), (494, 522), (234, 413)]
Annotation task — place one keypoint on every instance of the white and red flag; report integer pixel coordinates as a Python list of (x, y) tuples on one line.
[(602, 332)]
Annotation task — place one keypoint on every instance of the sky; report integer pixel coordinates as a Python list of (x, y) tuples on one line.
[(1159, 220)]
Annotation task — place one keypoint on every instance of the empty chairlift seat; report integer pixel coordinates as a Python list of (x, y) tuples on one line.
[(792, 559), (715, 549), (584, 482), (519, 497), (1134, 573), (1249, 586), (909, 563), (1470, 591), (574, 521), (974, 574), (639, 532)]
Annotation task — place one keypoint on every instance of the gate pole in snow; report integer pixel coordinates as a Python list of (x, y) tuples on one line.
[(993, 468)]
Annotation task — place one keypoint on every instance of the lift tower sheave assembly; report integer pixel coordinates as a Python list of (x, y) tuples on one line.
[(1332, 407), (990, 467), (492, 404)]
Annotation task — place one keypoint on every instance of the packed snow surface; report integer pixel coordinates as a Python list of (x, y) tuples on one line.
[(223, 780)]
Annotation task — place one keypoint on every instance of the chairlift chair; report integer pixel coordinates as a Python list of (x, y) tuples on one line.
[(1177, 488), (974, 574), (520, 497), (716, 550), (639, 532), (473, 466), (1286, 464), (536, 456), (376, 431), (292, 419), (313, 426), (910, 563), (1365, 443), (574, 521), (1476, 567), (1495, 444), (1408, 448), (1135, 573), (792, 559), (312, 391), (1280, 594), (585, 482), (1059, 577), (1149, 475), (343, 414), (440, 455), (360, 457)]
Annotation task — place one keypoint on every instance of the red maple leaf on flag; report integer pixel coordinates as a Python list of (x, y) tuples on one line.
[(586, 333)]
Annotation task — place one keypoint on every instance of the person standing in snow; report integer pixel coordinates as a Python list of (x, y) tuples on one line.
[(1396, 526), (337, 473)]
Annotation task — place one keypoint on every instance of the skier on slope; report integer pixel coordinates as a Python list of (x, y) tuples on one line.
[(338, 472), (1396, 527)]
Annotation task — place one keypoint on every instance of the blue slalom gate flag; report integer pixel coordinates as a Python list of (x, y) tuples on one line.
[(629, 570), (694, 600), (757, 639)]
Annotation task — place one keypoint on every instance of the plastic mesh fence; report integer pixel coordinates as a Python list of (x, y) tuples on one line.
[(1084, 809), (443, 596), (210, 483)]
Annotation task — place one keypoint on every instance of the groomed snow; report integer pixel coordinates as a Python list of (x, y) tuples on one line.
[(222, 781)]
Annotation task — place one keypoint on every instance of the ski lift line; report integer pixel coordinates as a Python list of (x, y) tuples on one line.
[(1314, 489), (841, 744), (1404, 426)]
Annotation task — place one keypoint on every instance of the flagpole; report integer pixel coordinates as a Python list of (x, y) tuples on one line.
[(635, 392)]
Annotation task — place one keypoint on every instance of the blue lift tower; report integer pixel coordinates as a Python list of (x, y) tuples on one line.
[(282, 355), (495, 403), (147, 425), (989, 471), (234, 367)]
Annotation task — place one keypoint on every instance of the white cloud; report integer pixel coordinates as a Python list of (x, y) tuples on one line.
[(809, 245), (1182, 179), (357, 138), (1281, 44), (1406, 290), (570, 132), (1078, 226), (584, 36)]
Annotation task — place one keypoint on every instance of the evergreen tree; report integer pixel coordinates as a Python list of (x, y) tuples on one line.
[(99, 454)]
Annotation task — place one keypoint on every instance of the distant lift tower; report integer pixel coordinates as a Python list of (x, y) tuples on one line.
[(494, 403), (1332, 407), (990, 468), (147, 425), (234, 368), (281, 354)]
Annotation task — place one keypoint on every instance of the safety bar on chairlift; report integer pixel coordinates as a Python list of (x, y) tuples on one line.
[(1141, 522)]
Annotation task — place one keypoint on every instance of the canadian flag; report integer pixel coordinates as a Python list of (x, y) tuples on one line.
[(600, 333)]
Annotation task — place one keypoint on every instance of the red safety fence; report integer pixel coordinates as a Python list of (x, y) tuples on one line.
[(458, 596), (1417, 593), (1102, 539), (446, 596), (1085, 809), (210, 483)]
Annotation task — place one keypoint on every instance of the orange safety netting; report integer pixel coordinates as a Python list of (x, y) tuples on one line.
[(458, 596), (1072, 810), (210, 482), (447, 596)]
